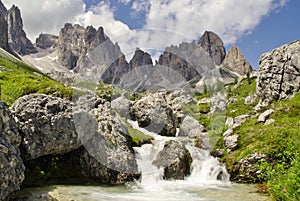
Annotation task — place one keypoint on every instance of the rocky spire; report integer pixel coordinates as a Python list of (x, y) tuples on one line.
[(140, 58), (3, 10), (3, 34), (213, 45), (236, 62), (16, 35)]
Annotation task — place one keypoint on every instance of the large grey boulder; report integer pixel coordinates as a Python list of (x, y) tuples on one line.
[(109, 156), (175, 159), (153, 113), (46, 125), (191, 128), (122, 106), (279, 73), (11, 164)]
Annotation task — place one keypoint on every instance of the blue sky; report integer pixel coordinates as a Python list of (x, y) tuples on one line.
[(255, 26)]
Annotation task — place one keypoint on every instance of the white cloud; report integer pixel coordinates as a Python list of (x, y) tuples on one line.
[(167, 21)]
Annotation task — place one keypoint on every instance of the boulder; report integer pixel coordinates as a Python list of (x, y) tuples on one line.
[(109, 156), (153, 113), (46, 125), (122, 106), (279, 73), (11, 164), (231, 142), (265, 115), (175, 159), (191, 128), (176, 99)]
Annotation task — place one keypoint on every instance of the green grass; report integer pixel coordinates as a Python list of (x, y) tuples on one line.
[(244, 89), (18, 79), (280, 141)]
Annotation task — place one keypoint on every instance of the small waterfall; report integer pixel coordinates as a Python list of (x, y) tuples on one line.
[(205, 169)]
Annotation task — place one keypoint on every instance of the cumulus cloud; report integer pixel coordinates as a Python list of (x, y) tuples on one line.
[(167, 21)]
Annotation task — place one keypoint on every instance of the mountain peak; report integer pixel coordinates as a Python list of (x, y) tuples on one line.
[(17, 38), (236, 62), (213, 45)]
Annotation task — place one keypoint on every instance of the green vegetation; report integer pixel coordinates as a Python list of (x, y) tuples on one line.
[(244, 89), (137, 136), (280, 141), (18, 79)]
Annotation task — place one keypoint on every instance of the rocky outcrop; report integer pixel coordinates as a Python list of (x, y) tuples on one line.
[(45, 41), (213, 44), (84, 49), (191, 128), (236, 62), (153, 113), (175, 159), (246, 170), (46, 125), (17, 38), (11, 164), (140, 58), (279, 73), (109, 156)]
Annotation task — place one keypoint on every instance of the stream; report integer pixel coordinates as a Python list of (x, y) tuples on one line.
[(208, 181)]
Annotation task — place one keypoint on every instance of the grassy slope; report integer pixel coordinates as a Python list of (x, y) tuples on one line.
[(280, 141), (18, 79)]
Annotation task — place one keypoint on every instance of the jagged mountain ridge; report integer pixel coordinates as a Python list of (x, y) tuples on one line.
[(87, 49)]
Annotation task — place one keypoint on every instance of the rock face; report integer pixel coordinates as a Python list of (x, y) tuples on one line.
[(3, 10), (177, 58), (153, 113), (3, 29), (82, 48), (11, 164), (213, 44), (16, 35), (109, 154), (175, 159), (246, 170), (45, 41), (279, 73), (3, 34), (140, 58), (46, 124), (236, 62)]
